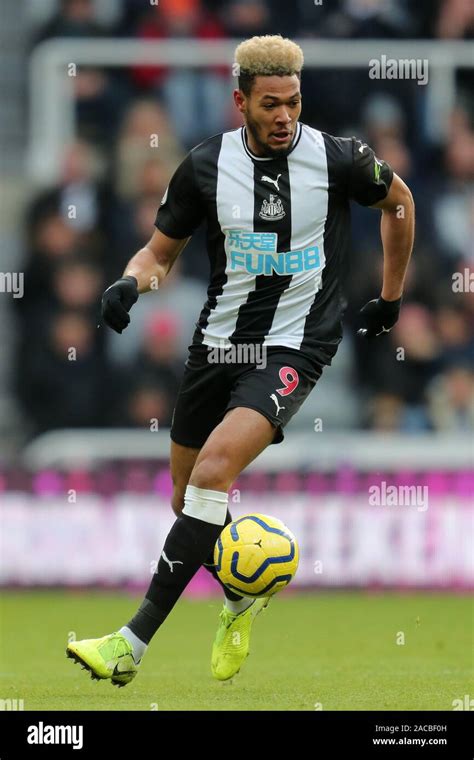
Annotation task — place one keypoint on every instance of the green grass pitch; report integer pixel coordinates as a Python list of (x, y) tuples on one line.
[(323, 650)]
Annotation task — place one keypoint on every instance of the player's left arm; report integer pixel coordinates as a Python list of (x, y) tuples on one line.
[(372, 182), (397, 232)]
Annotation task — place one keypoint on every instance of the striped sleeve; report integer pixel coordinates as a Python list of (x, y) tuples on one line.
[(370, 177), (182, 209)]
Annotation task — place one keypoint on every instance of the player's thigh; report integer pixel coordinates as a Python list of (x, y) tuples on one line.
[(278, 389), (202, 400), (241, 436), (182, 461)]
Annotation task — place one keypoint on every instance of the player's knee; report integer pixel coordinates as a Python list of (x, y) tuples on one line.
[(177, 499), (213, 472)]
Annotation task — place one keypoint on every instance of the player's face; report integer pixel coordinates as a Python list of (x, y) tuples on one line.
[(271, 113)]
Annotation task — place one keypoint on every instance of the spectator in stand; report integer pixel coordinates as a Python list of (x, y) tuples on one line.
[(384, 413), (453, 206), (158, 369), (74, 18), (85, 200), (147, 407), (456, 335), (198, 101), (159, 358), (99, 94), (383, 116), (101, 99), (405, 365), (63, 380), (77, 284), (455, 20), (72, 219), (370, 19), (451, 400), (146, 135), (52, 239), (245, 18), (143, 170)]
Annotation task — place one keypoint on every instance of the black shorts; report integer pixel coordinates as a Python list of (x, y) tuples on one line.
[(209, 389)]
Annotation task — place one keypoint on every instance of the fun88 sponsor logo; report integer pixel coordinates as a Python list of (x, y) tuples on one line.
[(255, 253)]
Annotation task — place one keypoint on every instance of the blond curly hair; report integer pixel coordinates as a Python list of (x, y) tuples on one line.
[(267, 55)]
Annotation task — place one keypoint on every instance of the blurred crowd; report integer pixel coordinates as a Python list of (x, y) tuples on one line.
[(73, 372)]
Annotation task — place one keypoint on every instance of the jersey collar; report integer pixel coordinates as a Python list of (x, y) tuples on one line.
[(296, 139)]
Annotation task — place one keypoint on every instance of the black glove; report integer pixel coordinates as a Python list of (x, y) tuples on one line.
[(379, 316), (117, 301)]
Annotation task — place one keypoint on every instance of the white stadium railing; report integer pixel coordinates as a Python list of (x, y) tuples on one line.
[(51, 113), (319, 452)]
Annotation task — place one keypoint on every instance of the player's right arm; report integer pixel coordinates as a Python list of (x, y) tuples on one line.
[(180, 213), (144, 272), (153, 262)]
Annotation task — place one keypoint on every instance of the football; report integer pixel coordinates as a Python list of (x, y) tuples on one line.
[(256, 555)]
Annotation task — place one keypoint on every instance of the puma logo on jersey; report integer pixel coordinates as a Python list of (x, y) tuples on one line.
[(171, 562), (273, 181), (275, 399)]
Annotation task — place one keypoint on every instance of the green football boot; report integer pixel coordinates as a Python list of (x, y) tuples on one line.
[(231, 645), (108, 657)]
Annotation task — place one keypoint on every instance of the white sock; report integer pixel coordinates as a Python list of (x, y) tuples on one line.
[(205, 504), (138, 646), (237, 607)]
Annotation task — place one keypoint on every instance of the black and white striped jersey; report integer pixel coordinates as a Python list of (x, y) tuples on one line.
[(277, 234)]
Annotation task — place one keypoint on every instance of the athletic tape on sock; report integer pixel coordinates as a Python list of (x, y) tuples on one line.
[(206, 505)]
